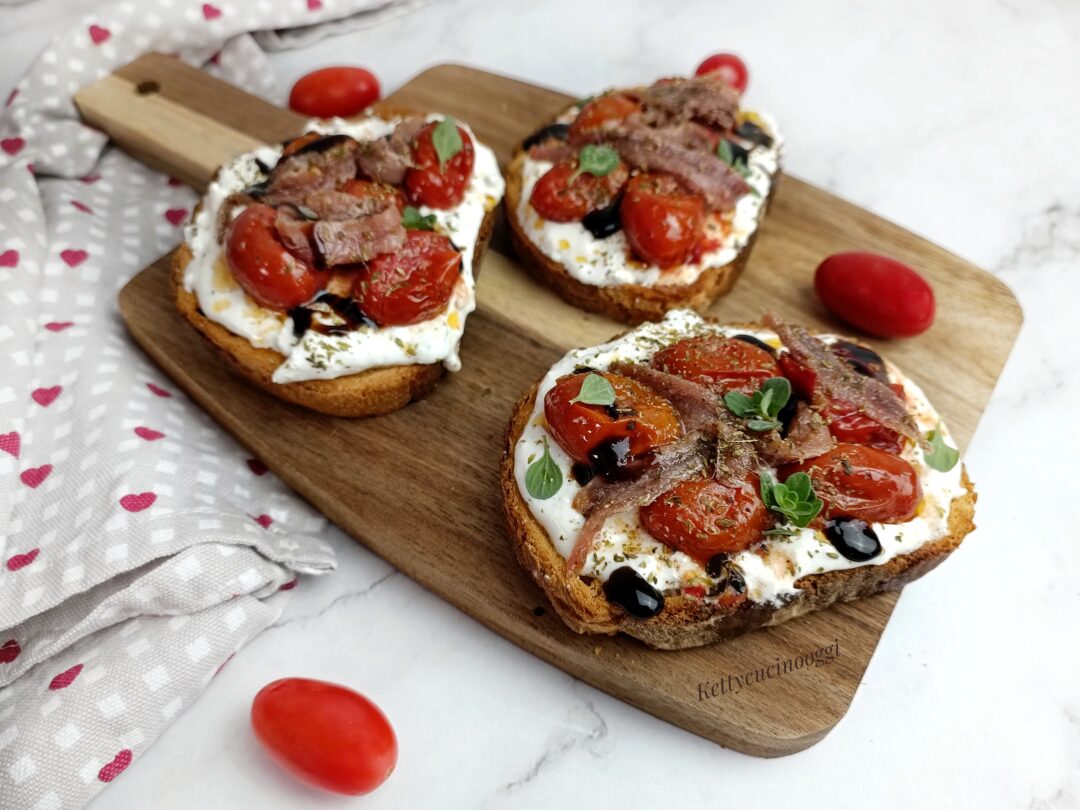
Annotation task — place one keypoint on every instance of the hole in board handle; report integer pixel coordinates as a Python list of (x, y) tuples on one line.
[(147, 88)]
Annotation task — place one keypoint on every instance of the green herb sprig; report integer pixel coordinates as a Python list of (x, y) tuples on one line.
[(941, 457), (595, 390), (543, 478), (412, 219), (727, 154), (763, 408), (597, 160), (447, 141), (794, 500)]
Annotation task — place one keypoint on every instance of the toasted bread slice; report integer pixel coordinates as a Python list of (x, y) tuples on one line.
[(686, 621), (628, 303)]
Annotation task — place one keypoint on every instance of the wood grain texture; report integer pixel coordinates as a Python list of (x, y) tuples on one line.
[(440, 520)]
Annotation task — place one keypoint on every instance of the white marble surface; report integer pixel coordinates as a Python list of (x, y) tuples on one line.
[(957, 120)]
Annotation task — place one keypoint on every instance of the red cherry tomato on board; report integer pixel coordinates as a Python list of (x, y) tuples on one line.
[(341, 91), (325, 735), (876, 294), (411, 285), (262, 265), (435, 185), (703, 517), (731, 68), (862, 482), (663, 222), (561, 197), (714, 360)]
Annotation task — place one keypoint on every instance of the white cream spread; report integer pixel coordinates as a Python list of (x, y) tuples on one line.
[(608, 262), (318, 356), (770, 567)]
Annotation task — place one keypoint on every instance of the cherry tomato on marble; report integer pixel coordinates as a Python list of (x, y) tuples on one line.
[(862, 482), (724, 363), (731, 69), (877, 294), (663, 222), (411, 285), (435, 185), (334, 91), (325, 735), (596, 113), (262, 265), (639, 415), (560, 196), (704, 517)]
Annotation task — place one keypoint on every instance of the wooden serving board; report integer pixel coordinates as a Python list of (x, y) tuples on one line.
[(419, 487)]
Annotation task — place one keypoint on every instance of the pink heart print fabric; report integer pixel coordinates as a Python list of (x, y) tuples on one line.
[(140, 547)]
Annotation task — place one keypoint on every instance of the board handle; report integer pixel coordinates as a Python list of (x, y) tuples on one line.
[(179, 119)]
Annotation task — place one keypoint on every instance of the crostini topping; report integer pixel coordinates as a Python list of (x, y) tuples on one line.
[(447, 140), (443, 161), (855, 539), (708, 99), (595, 390), (598, 161), (633, 593), (794, 500), (940, 456), (565, 194), (663, 222), (544, 478), (412, 219), (412, 284), (761, 409)]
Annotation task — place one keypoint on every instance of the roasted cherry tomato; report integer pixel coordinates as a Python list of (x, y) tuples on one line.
[(731, 69), (724, 363), (596, 113), (704, 517), (640, 416), (262, 265), (438, 186), (412, 285), (563, 197), (662, 221), (340, 91), (372, 190), (325, 735), (862, 482), (847, 421), (875, 293)]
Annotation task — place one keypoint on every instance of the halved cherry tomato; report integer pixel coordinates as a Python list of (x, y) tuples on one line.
[(340, 91), (704, 517), (434, 186), (562, 197), (412, 285), (662, 221), (596, 113), (325, 735), (262, 265), (862, 482), (731, 68), (640, 415), (372, 190), (724, 363), (847, 422), (875, 293)]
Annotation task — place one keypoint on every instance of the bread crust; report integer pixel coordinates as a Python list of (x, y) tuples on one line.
[(372, 392), (686, 621), (628, 303)]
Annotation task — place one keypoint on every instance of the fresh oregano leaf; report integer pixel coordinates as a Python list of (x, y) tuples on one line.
[(597, 160), (595, 390), (447, 141), (794, 500), (763, 407), (543, 478), (412, 219), (941, 456)]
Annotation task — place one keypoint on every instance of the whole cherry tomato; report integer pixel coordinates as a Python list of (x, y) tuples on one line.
[(704, 517), (847, 421), (411, 285), (662, 221), (862, 482), (261, 264), (334, 91), (877, 294), (563, 197), (731, 68), (596, 113), (435, 185), (724, 363), (325, 735), (372, 190), (641, 416)]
